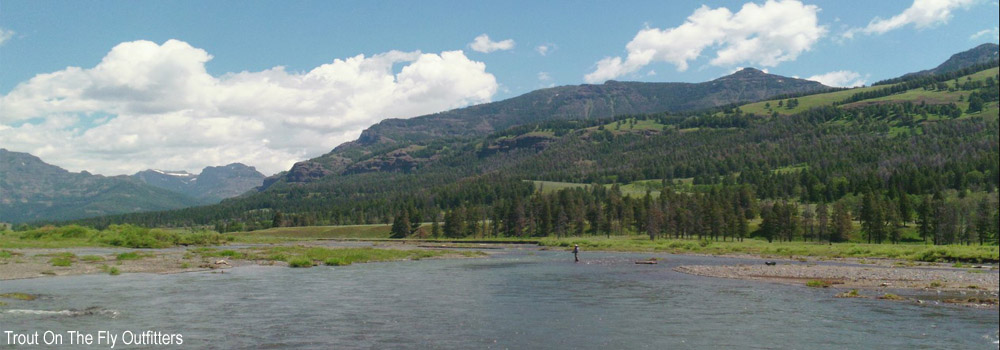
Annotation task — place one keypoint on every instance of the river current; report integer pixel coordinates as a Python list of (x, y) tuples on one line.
[(515, 299)]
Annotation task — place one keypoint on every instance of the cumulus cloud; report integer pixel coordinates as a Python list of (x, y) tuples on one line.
[(763, 35), (841, 78), (5, 34), (544, 76), (482, 43), (922, 14), (154, 106), (545, 49)]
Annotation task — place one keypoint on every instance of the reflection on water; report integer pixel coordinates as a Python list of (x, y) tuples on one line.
[(511, 300)]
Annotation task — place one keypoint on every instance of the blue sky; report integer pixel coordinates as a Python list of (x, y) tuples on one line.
[(97, 118)]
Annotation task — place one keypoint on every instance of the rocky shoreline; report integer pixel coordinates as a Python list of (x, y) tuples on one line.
[(37, 262), (970, 286)]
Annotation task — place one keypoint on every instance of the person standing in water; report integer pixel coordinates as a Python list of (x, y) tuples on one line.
[(576, 252)]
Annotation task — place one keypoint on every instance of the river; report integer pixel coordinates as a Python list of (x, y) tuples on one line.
[(515, 299)]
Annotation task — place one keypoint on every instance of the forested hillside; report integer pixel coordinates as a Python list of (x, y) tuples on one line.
[(405, 144), (916, 159)]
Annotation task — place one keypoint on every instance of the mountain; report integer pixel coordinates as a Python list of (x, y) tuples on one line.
[(588, 102), (391, 144), (210, 186), (31, 189), (529, 179), (176, 181), (981, 54), (915, 137)]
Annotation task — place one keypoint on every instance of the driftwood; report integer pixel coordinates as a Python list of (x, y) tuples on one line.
[(650, 261)]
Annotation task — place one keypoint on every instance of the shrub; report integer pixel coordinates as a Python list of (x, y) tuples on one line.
[(300, 262), (137, 237), (336, 262), (819, 284), (61, 261), (890, 296), (853, 293), (130, 256), (19, 296), (55, 233)]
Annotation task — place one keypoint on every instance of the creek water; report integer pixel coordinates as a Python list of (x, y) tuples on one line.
[(517, 299)]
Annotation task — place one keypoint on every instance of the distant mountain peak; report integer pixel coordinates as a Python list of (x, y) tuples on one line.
[(31, 189), (749, 71), (981, 54), (212, 184)]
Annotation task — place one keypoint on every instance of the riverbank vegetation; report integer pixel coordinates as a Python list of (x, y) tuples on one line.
[(912, 252), (126, 236), (307, 256)]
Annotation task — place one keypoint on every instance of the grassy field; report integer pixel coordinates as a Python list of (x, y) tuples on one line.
[(548, 187), (630, 125), (314, 232), (115, 236), (811, 101), (635, 189), (913, 252)]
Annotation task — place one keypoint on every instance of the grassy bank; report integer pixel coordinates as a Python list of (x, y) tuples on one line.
[(913, 252), (127, 236), (305, 256), (314, 232)]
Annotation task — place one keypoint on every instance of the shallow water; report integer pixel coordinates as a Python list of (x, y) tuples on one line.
[(515, 299)]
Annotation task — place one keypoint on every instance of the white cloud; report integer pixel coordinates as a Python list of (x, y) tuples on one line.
[(5, 34), (545, 49), (763, 35), (482, 43), (992, 33), (841, 78), (921, 14), (161, 109), (544, 76)]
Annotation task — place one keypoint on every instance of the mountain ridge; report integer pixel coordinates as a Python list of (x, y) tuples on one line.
[(984, 53), (31, 189), (390, 137), (212, 184)]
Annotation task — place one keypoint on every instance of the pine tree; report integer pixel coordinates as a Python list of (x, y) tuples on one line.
[(924, 212), (413, 220), (840, 226), (452, 224), (278, 220), (400, 226), (822, 221), (435, 227)]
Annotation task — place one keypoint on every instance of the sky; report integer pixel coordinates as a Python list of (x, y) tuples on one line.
[(115, 87)]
